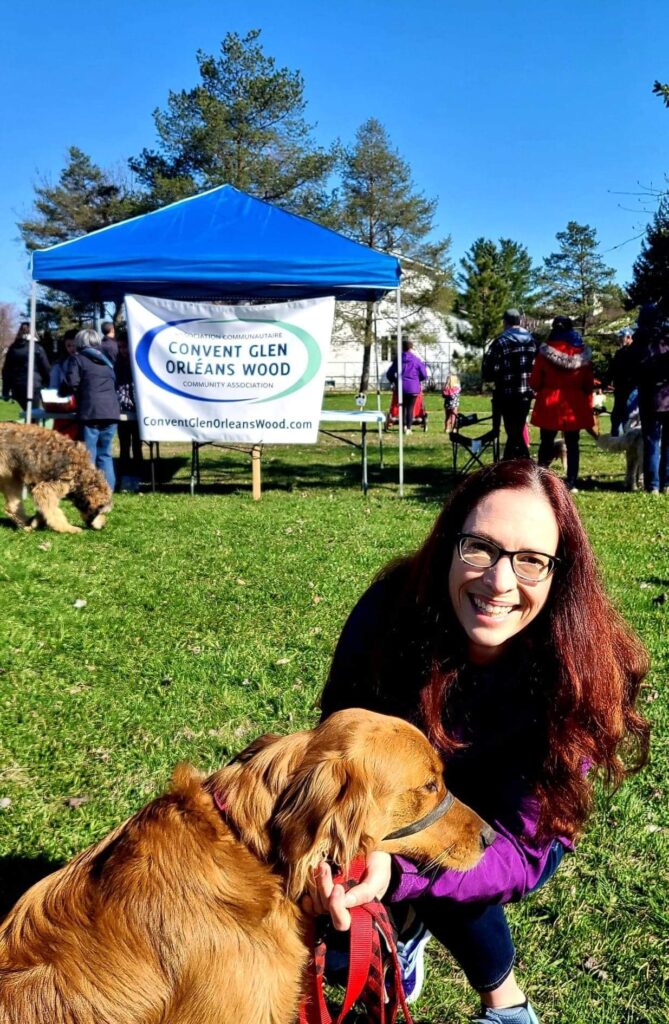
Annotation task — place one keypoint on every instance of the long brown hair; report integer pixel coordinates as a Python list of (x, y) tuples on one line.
[(589, 661)]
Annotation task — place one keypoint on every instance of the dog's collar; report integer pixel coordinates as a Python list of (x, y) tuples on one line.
[(417, 826), (437, 812)]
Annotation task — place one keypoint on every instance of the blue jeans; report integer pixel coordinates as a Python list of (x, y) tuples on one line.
[(477, 934), (98, 436), (655, 427), (624, 407)]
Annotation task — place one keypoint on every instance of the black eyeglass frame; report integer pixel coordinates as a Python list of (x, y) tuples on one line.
[(553, 560)]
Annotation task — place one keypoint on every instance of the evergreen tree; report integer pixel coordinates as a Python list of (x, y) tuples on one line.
[(576, 281), (242, 125), (651, 268), (520, 275), (662, 89), (381, 208), (85, 198), (494, 277)]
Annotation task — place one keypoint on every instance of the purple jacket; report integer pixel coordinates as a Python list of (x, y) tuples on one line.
[(498, 713), (414, 372), (508, 870)]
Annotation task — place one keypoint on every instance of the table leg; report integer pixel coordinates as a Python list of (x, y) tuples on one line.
[(364, 457), (152, 459), (194, 465), (380, 446)]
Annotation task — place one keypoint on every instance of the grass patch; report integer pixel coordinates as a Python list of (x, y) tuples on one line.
[(212, 619)]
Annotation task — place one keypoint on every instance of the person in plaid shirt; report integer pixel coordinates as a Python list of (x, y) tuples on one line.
[(508, 363)]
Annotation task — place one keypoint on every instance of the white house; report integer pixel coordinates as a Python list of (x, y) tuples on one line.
[(434, 337)]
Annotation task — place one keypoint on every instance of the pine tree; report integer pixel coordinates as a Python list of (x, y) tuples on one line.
[(662, 89), (651, 268), (494, 277), (381, 208), (85, 198), (575, 280), (242, 125)]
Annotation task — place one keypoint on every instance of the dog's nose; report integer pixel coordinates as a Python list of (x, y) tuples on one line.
[(488, 836)]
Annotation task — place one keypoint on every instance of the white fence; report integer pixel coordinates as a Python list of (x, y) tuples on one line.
[(345, 376)]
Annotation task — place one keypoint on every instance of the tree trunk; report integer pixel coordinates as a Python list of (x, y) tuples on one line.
[(368, 341)]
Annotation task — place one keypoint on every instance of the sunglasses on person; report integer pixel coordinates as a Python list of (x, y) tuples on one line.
[(481, 553)]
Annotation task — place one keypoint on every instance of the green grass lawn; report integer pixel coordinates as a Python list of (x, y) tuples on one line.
[(211, 619)]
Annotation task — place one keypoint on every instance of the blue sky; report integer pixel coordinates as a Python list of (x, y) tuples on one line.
[(517, 115)]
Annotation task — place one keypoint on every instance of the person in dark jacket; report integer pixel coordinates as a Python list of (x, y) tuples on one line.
[(622, 379), (497, 639), (651, 375), (130, 443), (109, 341), (414, 372), (508, 363), (89, 375), (15, 370)]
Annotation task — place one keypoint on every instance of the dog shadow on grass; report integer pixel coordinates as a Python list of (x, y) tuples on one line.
[(17, 874)]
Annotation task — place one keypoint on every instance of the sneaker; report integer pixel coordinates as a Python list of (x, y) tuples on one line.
[(509, 1015), (573, 490), (411, 956)]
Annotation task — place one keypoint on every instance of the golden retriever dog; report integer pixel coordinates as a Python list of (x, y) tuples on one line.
[(189, 912), (52, 467)]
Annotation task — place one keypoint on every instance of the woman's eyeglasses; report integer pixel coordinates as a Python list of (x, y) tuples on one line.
[(531, 566)]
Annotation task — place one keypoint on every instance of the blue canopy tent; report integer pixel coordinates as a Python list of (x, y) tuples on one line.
[(222, 243)]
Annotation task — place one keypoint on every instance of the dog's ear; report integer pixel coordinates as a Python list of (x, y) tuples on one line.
[(254, 781), (326, 812)]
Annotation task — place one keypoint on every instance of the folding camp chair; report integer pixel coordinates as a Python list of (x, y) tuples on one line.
[(474, 448)]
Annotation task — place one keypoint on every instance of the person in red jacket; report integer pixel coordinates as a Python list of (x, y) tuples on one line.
[(563, 382)]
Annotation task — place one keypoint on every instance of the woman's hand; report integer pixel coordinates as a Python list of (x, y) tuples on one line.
[(328, 898)]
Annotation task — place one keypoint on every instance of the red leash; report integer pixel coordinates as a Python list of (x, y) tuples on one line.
[(371, 948), (371, 930)]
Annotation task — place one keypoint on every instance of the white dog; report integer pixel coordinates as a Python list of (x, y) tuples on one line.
[(631, 443)]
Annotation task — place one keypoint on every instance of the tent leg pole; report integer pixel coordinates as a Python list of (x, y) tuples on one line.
[(365, 483), (31, 353), (400, 389), (256, 452)]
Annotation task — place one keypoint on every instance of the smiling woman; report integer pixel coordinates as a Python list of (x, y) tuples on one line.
[(497, 639), (496, 592)]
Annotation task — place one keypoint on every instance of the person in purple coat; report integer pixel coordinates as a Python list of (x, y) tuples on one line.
[(414, 372), (498, 641)]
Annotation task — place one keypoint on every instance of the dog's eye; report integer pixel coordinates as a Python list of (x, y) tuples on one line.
[(431, 787)]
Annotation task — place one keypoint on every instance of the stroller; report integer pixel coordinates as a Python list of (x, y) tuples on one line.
[(420, 413)]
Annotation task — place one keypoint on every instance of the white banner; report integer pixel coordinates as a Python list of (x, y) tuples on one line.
[(229, 373)]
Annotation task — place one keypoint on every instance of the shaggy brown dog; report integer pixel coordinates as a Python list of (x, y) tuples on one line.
[(52, 467), (187, 914)]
